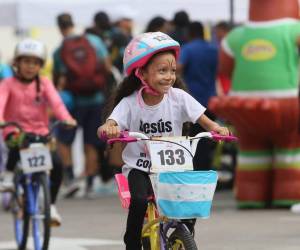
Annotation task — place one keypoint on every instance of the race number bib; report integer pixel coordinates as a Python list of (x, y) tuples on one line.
[(37, 158), (166, 156)]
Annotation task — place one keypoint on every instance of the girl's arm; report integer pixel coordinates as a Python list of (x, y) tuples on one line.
[(210, 125)]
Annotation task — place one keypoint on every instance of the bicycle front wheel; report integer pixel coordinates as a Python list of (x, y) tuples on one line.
[(20, 215), (181, 239), (41, 216)]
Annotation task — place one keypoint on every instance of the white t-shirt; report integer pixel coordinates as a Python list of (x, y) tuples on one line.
[(163, 119)]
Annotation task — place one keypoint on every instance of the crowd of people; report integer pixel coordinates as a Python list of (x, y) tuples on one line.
[(109, 41), (87, 68)]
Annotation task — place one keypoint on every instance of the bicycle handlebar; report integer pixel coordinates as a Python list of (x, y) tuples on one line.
[(11, 124), (18, 126), (128, 137)]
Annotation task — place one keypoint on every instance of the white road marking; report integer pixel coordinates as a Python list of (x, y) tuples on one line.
[(66, 243)]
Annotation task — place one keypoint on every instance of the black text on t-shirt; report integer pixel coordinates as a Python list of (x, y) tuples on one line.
[(156, 127)]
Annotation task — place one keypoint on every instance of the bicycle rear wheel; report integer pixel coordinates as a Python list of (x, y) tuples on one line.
[(41, 217), (20, 215), (181, 239)]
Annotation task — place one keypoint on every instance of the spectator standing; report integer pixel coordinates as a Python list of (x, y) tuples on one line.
[(158, 23), (198, 65), (85, 106), (115, 36), (5, 70), (223, 84), (180, 23)]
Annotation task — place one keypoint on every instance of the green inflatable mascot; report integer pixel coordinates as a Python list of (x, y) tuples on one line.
[(261, 58)]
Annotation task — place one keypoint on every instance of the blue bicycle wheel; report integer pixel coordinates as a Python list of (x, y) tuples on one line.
[(20, 215), (41, 216)]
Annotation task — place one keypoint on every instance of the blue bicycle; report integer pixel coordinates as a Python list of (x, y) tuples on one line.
[(31, 194)]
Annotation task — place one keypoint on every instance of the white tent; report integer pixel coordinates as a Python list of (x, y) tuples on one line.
[(37, 13)]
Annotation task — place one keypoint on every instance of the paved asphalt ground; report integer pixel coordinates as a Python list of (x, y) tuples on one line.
[(99, 225)]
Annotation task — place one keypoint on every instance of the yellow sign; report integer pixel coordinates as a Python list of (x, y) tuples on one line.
[(258, 50)]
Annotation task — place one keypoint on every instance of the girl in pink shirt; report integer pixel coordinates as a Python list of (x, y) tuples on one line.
[(25, 99)]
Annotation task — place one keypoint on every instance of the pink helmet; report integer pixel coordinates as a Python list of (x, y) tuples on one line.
[(141, 48)]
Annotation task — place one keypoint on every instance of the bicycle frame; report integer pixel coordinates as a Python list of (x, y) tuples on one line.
[(32, 205), (152, 228), (27, 203)]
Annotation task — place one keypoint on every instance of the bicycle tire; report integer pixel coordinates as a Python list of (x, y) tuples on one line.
[(20, 215), (181, 239), (41, 180)]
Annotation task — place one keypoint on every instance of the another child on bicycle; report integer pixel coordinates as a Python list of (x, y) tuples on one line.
[(25, 99), (147, 102)]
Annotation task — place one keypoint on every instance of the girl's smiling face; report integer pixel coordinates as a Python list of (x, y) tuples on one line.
[(160, 73), (28, 66)]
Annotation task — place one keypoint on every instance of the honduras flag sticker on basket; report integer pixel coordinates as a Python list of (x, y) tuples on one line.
[(183, 195)]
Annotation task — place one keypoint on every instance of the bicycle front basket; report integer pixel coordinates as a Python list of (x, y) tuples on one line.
[(183, 195)]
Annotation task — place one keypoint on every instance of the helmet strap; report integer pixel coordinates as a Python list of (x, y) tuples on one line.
[(145, 87)]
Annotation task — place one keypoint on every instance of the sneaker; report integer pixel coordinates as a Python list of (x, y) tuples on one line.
[(55, 217), (71, 190), (6, 182)]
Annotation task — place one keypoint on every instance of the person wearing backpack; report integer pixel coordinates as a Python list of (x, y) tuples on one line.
[(81, 66)]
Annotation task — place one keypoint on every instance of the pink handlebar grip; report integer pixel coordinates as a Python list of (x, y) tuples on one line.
[(123, 134), (227, 138), (124, 137)]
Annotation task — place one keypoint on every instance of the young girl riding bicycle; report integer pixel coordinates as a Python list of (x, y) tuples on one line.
[(148, 101), (25, 99)]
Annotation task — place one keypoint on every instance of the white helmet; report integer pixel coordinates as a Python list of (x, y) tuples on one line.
[(31, 47)]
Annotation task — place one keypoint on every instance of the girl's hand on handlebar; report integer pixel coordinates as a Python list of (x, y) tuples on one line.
[(221, 130), (108, 130)]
